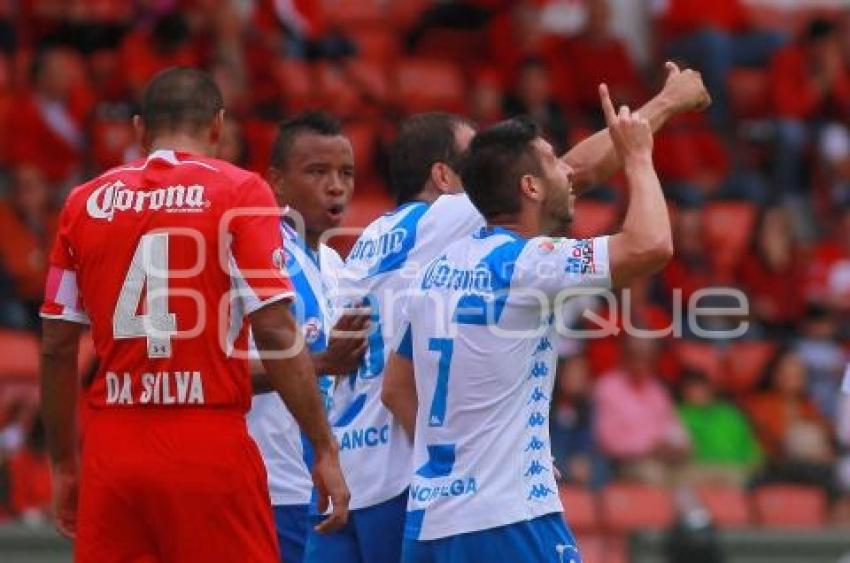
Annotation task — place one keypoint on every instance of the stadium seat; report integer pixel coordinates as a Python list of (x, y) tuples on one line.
[(728, 506), (700, 356), (355, 13), (628, 506), (259, 136), (337, 94), (746, 362), (592, 547), (296, 82), (729, 227), (404, 14), (362, 137), (429, 85), (463, 46), (594, 218), (580, 508), (370, 79), (379, 44), (18, 355), (790, 506)]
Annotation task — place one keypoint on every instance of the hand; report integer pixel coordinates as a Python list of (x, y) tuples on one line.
[(631, 134), (684, 90), (331, 489), (65, 492), (347, 342)]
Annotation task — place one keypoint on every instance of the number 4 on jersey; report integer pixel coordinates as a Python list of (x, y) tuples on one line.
[(148, 271)]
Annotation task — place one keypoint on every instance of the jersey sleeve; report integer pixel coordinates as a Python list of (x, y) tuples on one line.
[(552, 265), (257, 260), (62, 299)]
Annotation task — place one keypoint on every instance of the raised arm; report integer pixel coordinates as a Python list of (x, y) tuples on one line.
[(595, 159), (59, 390), (292, 375), (645, 243)]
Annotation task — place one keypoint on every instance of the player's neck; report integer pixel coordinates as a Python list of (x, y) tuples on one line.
[(525, 224), (181, 142)]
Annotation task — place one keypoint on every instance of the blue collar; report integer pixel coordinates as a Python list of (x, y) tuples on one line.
[(489, 230)]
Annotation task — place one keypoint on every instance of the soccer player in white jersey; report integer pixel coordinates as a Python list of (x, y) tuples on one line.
[(477, 344), (433, 212), (312, 176)]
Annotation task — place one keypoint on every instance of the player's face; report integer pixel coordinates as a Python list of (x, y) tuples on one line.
[(317, 180), (559, 201)]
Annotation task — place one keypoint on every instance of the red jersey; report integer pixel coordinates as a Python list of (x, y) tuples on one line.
[(164, 257)]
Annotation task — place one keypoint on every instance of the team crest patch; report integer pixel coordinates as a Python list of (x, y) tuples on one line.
[(546, 246), (279, 258), (312, 330)]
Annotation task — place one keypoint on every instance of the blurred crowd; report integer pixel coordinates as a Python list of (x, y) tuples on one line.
[(759, 189)]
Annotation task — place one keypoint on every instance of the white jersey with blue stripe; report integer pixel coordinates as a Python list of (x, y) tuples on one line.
[(285, 450), (374, 451), (479, 332)]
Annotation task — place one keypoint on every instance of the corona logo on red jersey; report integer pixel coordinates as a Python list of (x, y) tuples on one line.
[(114, 197)]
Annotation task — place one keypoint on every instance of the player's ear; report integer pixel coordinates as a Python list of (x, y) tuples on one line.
[(531, 188), (217, 127), (141, 133), (275, 179), (441, 177)]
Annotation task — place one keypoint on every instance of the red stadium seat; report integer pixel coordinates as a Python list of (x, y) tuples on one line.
[(700, 356), (296, 82), (364, 208), (259, 136), (580, 508), (464, 46), (379, 44), (356, 13), (592, 548), (362, 137), (745, 364), (729, 227), (18, 355), (594, 218), (370, 80), (428, 85), (790, 506), (728, 506), (336, 91), (627, 507)]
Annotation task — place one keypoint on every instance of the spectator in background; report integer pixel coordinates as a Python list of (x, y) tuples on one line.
[(27, 227), (233, 147), (715, 37), (29, 476), (486, 102), (725, 450), (636, 422), (793, 433), (48, 120), (147, 50), (773, 273), (823, 357), (574, 448), (828, 277), (532, 96), (597, 55), (842, 435), (691, 268), (809, 83)]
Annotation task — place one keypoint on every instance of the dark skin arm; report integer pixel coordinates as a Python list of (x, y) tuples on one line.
[(291, 373), (346, 346), (59, 392), (398, 392)]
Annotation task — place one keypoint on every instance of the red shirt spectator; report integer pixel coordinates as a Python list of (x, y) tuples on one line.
[(686, 16), (48, 121), (828, 276), (689, 150), (810, 79)]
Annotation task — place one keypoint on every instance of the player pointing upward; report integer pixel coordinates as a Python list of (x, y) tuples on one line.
[(148, 254), (478, 341)]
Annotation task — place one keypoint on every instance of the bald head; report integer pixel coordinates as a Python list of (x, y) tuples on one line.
[(183, 100)]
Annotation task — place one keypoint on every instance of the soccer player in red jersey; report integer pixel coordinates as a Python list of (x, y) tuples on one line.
[(164, 257)]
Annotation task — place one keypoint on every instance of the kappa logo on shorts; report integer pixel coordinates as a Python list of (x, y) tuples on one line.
[(567, 553)]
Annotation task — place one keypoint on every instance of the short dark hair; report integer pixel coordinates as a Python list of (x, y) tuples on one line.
[(497, 160), (318, 122), (819, 29), (180, 98), (423, 139)]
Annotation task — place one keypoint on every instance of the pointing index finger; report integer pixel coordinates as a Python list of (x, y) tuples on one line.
[(607, 106)]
